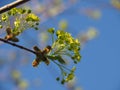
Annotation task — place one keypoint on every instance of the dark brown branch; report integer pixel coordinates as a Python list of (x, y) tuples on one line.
[(12, 5), (16, 45)]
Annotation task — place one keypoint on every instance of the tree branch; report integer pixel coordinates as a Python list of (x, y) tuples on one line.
[(12, 5), (16, 45)]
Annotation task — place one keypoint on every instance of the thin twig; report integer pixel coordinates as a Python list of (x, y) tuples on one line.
[(12, 5), (16, 45)]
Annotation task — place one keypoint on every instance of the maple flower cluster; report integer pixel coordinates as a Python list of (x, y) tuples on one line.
[(64, 45), (18, 20)]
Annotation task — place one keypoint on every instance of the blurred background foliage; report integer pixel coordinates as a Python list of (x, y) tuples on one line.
[(16, 71)]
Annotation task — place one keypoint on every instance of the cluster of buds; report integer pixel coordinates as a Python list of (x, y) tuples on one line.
[(11, 36), (41, 56), (64, 45)]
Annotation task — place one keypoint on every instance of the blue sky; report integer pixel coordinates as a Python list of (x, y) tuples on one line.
[(99, 68)]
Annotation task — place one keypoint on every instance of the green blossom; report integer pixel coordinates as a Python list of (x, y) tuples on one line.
[(51, 30), (4, 17), (32, 17), (22, 19), (69, 77), (64, 45), (16, 11), (12, 12), (63, 25), (17, 23), (1, 26)]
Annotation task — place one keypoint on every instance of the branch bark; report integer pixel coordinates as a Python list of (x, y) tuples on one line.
[(16, 45), (12, 5)]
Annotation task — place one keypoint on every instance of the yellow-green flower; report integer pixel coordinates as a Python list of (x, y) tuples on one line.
[(69, 77), (23, 84), (16, 74), (4, 17), (1, 26), (17, 23), (32, 17)]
